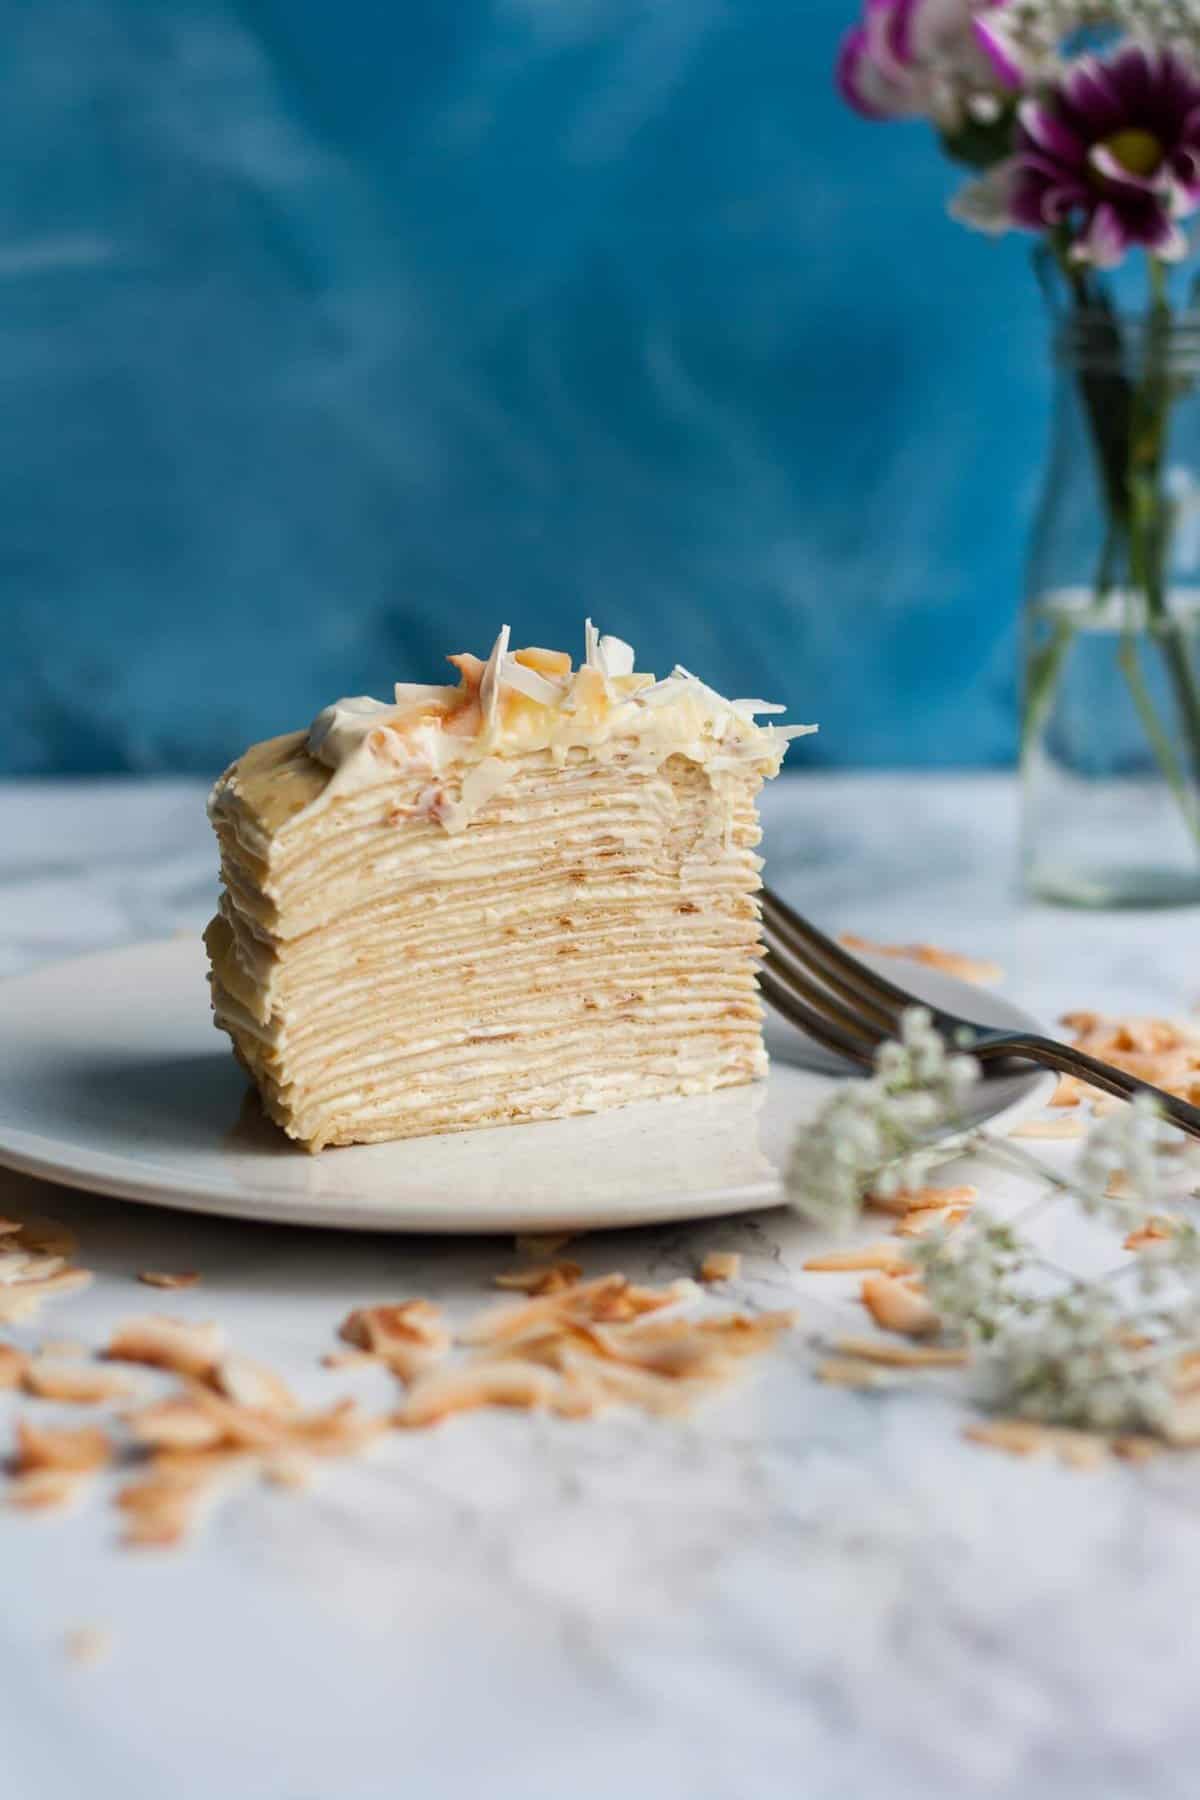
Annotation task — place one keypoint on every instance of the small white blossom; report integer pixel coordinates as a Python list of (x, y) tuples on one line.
[(876, 1132)]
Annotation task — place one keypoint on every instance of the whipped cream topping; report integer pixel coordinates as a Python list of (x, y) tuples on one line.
[(524, 700)]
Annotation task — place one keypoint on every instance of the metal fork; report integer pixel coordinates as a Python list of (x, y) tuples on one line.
[(841, 1003)]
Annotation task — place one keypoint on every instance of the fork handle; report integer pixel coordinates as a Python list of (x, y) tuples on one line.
[(1049, 1054)]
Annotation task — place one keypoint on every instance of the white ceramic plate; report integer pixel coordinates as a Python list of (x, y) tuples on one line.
[(112, 1078)]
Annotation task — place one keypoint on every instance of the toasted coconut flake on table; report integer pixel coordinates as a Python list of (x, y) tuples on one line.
[(165, 1343), (980, 970), (47, 1237), (44, 1447), (544, 1244), (930, 1218), (177, 1423), (904, 1356), (922, 1199), (46, 1490), (254, 1386), (853, 1372), (1069, 1092), (71, 1348), (1156, 1229), (1027, 1437), (541, 1279), (1136, 1447), (883, 1255), (87, 1646), (721, 1265), (514, 1383), (408, 1337), (1161, 1051), (288, 1471), (75, 1384), (163, 1278), (895, 1306), (1048, 1128)]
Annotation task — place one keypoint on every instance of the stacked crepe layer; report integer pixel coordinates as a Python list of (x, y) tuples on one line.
[(587, 939)]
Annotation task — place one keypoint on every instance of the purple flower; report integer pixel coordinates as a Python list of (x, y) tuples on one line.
[(924, 59), (1112, 154)]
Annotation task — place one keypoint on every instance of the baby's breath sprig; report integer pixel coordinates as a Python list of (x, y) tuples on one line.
[(1055, 1347), (877, 1131)]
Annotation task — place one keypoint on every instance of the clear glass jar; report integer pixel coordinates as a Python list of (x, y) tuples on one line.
[(1110, 738)]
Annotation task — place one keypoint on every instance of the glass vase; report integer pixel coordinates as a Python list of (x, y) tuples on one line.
[(1110, 738)]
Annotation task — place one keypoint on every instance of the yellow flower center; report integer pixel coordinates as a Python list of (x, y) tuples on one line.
[(1136, 150)]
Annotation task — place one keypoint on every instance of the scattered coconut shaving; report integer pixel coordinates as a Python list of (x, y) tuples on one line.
[(1048, 1128), (979, 970), (1156, 1229), (1026, 1437), (88, 1646), (540, 1279), (904, 1356), (721, 1265), (161, 1278), (922, 1199), (74, 1384), (163, 1343), (896, 1306), (882, 1255), (79, 1450), (541, 1246)]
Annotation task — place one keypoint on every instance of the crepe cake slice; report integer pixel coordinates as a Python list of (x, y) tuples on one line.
[(530, 894)]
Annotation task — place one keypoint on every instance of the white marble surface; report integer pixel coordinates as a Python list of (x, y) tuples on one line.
[(800, 1592)]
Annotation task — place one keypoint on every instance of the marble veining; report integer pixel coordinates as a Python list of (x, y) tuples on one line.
[(797, 1592)]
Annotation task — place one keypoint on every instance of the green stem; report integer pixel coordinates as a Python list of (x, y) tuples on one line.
[(1152, 725)]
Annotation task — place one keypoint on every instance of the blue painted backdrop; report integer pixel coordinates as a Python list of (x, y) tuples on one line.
[(331, 336)]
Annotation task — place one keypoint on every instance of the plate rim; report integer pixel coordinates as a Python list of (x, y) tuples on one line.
[(101, 1172)]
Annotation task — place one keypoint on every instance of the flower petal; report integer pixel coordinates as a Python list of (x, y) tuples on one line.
[(1105, 242), (1050, 134)]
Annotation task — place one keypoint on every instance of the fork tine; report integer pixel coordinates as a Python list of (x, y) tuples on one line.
[(800, 980), (852, 978), (780, 988)]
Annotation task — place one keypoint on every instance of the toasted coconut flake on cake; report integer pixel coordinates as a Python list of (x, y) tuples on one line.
[(165, 1343), (13, 1363)]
